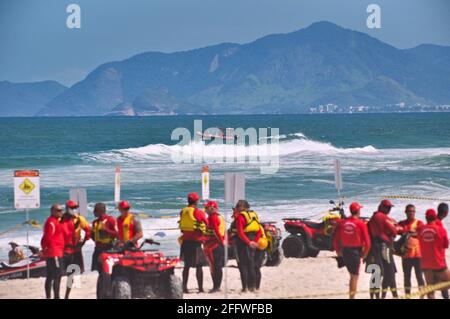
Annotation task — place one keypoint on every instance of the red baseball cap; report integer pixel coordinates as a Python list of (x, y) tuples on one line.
[(71, 204), (431, 214), (193, 197), (355, 206), (386, 203), (212, 203), (124, 204)]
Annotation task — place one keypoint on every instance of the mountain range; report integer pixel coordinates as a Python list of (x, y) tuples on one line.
[(279, 73)]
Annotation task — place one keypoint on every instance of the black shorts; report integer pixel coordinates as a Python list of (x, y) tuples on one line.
[(352, 259), (78, 260), (55, 267), (191, 253)]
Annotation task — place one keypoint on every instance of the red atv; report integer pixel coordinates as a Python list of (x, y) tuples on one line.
[(131, 272), (307, 238)]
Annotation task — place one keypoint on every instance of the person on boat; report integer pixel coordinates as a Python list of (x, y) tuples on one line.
[(81, 225), (129, 226), (412, 255), (68, 229), (52, 244), (433, 240), (104, 233), (192, 224), (246, 232), (352, 242), (214, 245), (383, 230), (16, 253)]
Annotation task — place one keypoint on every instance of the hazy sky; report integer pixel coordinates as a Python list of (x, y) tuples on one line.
[(35, 43)]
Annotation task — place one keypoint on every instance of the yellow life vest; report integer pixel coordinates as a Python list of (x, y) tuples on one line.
[(188, 222), (210, 232), (126, 231), (80, 223), (252, 224), (100, 235)]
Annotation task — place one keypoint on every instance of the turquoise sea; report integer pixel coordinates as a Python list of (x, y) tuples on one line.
[(381, 154)]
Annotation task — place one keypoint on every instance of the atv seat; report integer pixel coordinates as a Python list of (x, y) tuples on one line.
[(313, 225)]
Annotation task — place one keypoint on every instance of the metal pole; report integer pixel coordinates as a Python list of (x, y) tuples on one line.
[(226, 254), (28, 244)]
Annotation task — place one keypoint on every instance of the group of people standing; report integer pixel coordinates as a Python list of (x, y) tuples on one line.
[(63, 240), (421, 245), (203, 235)]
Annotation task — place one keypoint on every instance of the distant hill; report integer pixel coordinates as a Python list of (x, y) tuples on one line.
[(25, 99), (279, 73)]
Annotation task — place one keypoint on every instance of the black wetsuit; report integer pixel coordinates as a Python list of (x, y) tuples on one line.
[(249, 263)]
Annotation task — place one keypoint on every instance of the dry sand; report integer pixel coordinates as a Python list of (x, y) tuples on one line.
[(294, 278)]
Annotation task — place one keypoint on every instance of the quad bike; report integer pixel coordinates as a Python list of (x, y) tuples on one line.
[(273, 254), (307, 238), (131, 272)]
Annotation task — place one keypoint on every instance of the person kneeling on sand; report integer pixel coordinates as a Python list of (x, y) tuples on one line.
[(193, 225), (246, 232), (352, 242), (52, 244), (213, 247), (433, 240)]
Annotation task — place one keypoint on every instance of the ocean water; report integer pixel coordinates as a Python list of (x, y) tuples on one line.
[(381, 154)]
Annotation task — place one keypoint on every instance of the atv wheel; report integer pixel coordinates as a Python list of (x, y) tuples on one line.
[(275, 258), (294, 246), (149, 292), (174, 287), (121, 288)]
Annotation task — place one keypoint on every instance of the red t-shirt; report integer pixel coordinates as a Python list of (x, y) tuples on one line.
[(351, 233), (52, 241), (68, 230), (200, 216), (381, 227), (433, 243)]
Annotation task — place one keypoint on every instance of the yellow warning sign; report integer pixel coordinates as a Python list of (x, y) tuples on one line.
[(27, 186)]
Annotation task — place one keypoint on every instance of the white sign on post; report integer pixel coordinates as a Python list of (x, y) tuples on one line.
[(234, 187), (26, 189), (117, 185), (338, 175), (80, 196), (205, 182)]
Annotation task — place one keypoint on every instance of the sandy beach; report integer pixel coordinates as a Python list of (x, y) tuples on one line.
[(294, 278)]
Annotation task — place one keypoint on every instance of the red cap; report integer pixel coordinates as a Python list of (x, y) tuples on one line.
[(124, 204), (386, 203), (193, 197), (355, 206), (430, 214), (71, 204), (212, 203)]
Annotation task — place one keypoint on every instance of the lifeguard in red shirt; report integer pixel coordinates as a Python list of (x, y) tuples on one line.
[(433, 240), (52, 244), (247, 232), (351, 242), (193, 225), (213, 247)]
